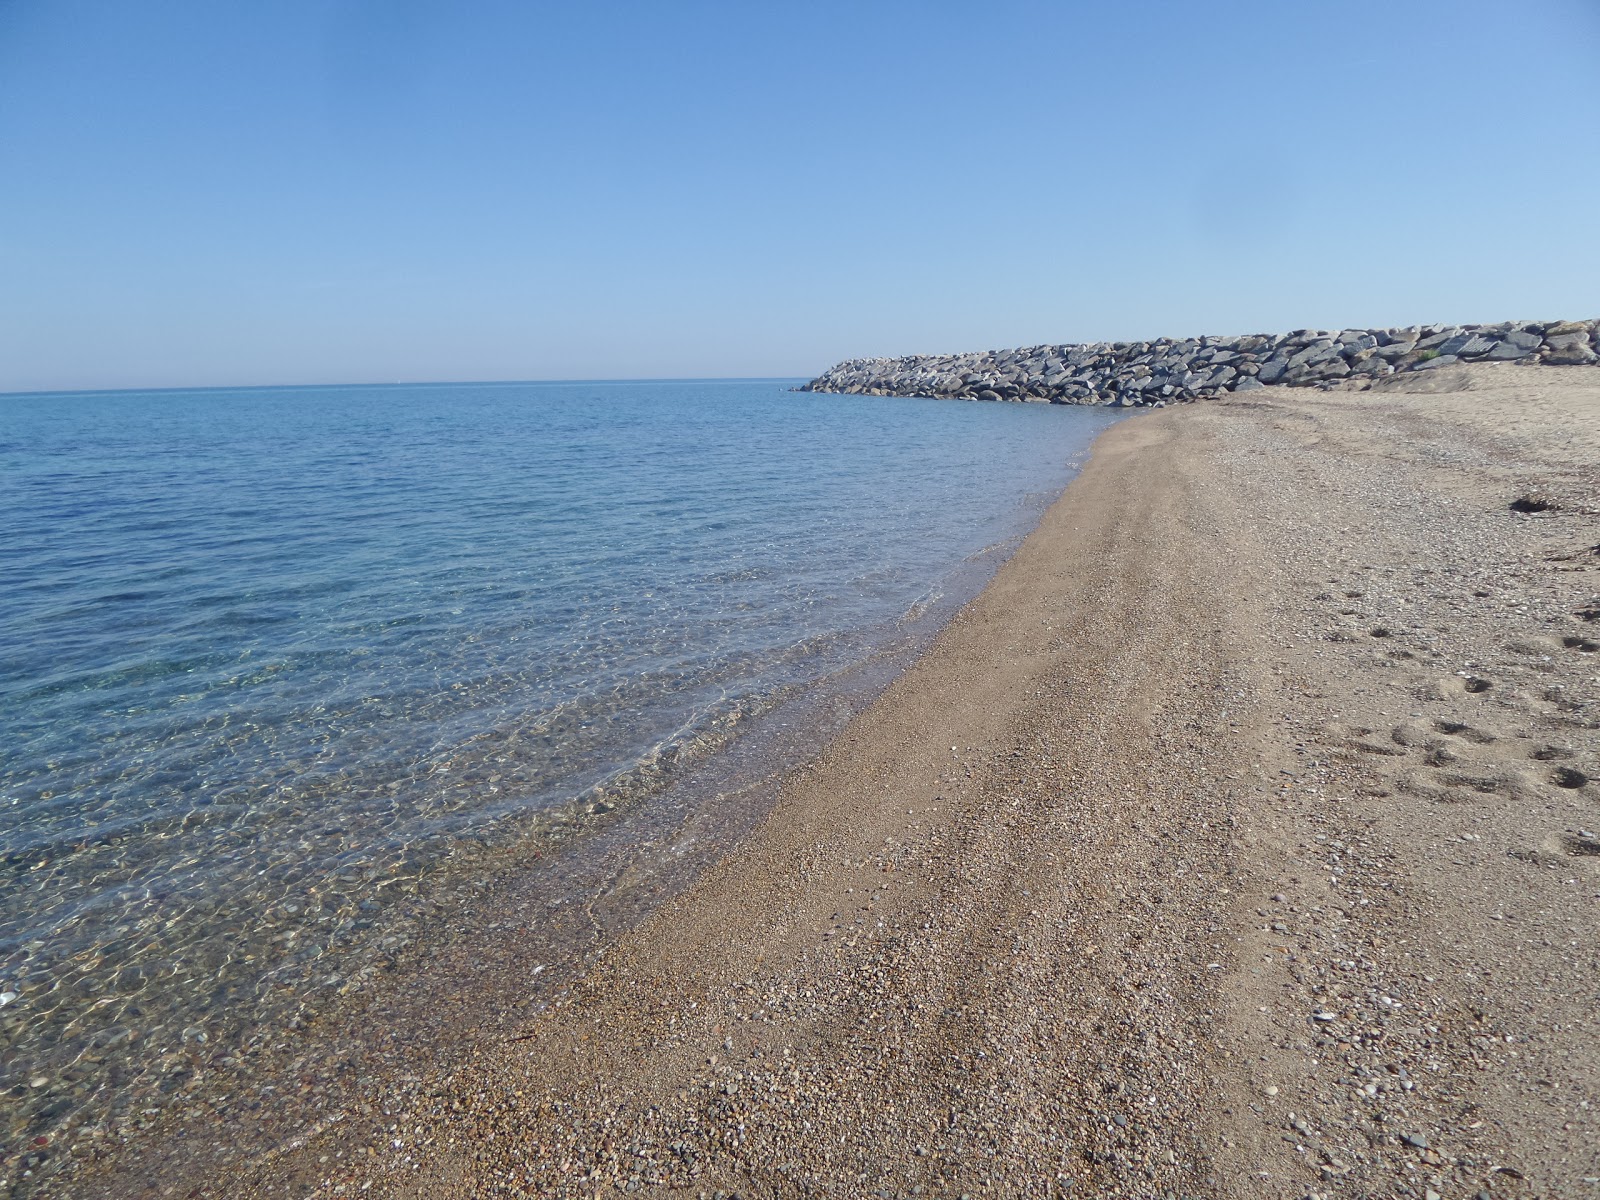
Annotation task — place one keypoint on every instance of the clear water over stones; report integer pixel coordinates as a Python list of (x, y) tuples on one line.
[(268, 659)]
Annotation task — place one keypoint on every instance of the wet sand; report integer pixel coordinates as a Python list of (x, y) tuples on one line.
[(1238, 840)]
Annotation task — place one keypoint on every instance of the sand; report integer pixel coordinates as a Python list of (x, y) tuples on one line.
[(1238, 840)]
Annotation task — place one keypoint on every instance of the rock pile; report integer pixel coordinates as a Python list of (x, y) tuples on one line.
[(1166, 371)]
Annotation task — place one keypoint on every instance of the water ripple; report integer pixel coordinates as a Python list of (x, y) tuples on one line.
[(269, 658)]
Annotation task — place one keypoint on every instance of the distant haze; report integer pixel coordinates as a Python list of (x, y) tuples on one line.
[(379, 190)]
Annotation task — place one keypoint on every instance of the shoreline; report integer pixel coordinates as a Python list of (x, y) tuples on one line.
[(364, 901), (1051, 913), (536, 908)]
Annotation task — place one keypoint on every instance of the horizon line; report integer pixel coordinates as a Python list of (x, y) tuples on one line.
[(419, 383)]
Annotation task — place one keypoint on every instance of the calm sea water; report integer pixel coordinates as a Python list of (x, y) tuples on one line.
[(265, 653)]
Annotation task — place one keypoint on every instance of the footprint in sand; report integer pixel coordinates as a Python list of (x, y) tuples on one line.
[(1356, 737), (1559, 851), (1568, 777), (1536, 647), (1464, 731), (1452, 686)]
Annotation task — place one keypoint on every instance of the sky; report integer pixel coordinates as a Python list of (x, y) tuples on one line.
[(216, 192)]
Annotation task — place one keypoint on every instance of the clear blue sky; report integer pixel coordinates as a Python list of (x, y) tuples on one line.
[(201, 192)]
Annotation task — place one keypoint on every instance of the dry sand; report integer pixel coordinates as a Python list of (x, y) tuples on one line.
[(1238, 840)]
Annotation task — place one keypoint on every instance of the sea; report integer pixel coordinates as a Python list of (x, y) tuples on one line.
[(267, 653)]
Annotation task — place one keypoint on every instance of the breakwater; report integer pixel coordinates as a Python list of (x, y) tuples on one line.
[(1168, 370)]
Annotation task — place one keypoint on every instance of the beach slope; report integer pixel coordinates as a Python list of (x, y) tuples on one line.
[(1238, 840)]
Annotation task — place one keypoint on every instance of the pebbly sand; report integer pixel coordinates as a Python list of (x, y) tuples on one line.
[(1241, 839)]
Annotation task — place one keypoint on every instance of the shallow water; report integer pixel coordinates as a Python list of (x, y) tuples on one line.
[(267, 654)]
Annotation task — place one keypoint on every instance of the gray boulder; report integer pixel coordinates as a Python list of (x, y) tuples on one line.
[(1436, 340), (1272, 370), (1509, 351), (1569, 349), (1442, 360), (1467, 345)]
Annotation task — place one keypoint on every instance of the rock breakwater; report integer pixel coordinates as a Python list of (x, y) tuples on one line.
[(1168, 370)]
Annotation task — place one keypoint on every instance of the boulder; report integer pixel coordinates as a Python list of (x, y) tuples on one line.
[(1569, 349), (1396, 350), (1172, 370), (1310, 356), (1508, 351), (1441, 360), (1459, 343), (1433, 341), (1272, 370)]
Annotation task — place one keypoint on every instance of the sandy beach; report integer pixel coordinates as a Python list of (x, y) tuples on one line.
[(1239, 840)]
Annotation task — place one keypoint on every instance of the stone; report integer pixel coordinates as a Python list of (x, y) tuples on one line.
[(1569, 349), (1394, 350), (1168, 369), (1315, 353), (1508, 351)]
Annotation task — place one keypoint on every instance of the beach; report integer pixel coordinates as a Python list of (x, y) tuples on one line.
[(1239, 839)]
